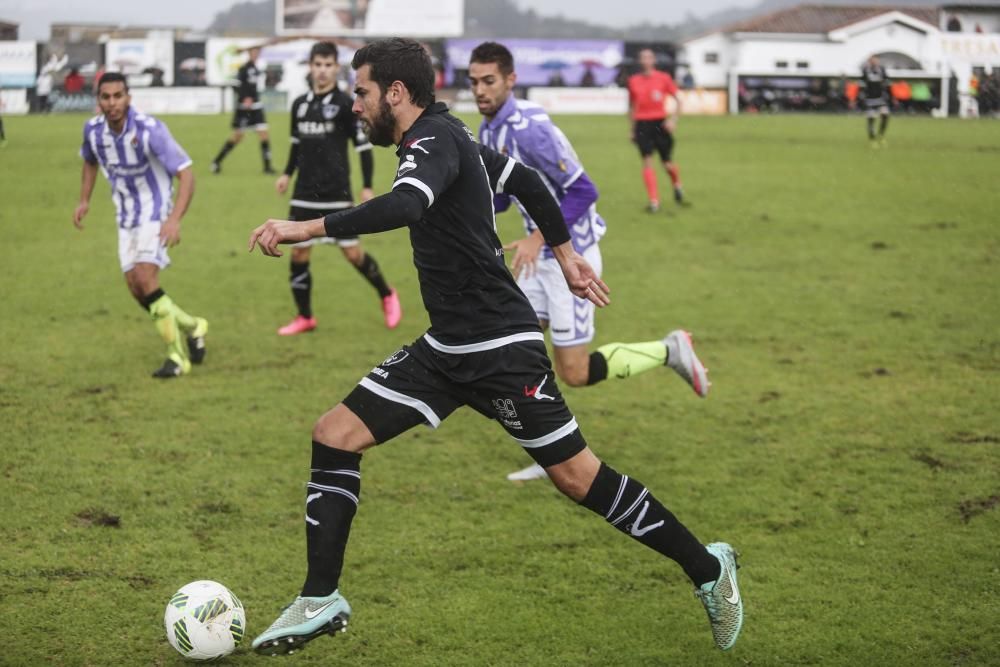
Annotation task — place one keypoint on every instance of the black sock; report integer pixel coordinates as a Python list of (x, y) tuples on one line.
[(265, 153), (629, 506), (882, 125), (151, 298), (302, 282), (331, 501), (2, 135), (871, 128), (226, 147), (369, 269), (598, 368)]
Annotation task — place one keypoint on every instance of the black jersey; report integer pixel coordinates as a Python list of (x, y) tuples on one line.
[(876, 81), (248, 78), (321, 127), (471, 299)]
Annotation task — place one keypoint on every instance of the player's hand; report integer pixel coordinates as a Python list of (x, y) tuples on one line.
[(366, 194), (526, 253), (80, 213), (670, 124), (273, 232), (246, 102), (281, 185), (170, 232), (580, 276)]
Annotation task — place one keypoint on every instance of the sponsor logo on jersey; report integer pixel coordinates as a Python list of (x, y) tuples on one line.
[(414, 144), (310, 128)]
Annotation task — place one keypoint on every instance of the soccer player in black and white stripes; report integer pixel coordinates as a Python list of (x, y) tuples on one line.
[(322, 124), (484, 347)]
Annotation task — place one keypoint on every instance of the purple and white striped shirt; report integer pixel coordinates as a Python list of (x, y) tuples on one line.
[(140, 163)]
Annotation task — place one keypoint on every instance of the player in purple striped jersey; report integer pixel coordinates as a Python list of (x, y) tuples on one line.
[(140, 159), (525, 132)]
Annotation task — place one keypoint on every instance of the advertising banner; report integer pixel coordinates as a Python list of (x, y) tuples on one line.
[(541, 62), (18, 64), (146, 62), (370, 18)]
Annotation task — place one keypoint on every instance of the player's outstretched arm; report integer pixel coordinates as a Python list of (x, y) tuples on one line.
[(583, 281), (88, 177), (274, 232)]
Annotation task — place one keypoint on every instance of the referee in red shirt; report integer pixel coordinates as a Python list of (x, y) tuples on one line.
[(652, 128)]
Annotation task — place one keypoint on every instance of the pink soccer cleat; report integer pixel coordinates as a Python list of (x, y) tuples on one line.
[(298, 325), (391, 310)]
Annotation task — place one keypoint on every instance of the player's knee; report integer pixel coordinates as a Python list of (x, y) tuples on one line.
[(341, 429), (354, 254), (575, 476), (300, 255), (574, 376)]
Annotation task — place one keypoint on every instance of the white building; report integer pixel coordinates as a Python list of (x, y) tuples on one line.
[(810, 43)]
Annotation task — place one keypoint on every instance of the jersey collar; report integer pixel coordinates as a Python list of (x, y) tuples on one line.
[(506, 110)]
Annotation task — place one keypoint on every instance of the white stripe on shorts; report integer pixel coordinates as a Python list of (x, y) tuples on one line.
[(557, 434), (486, 344), (396, 397)]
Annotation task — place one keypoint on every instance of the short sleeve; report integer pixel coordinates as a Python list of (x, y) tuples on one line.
[(429, 162), (547, 150), (166, 149), (86, 150), (669, 86), (498, 167)]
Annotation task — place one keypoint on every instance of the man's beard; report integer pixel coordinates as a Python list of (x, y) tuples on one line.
[(382, 129)]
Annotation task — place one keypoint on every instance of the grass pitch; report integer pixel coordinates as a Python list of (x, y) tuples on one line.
[(846, 301)]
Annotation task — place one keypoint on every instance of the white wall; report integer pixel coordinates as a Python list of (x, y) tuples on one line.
[(708, 75)]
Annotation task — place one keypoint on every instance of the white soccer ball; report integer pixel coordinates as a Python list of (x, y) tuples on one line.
[(205, 621)]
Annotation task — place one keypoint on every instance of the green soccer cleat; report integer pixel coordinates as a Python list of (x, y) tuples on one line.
[(301, 622), (721, 598), (196, 341)]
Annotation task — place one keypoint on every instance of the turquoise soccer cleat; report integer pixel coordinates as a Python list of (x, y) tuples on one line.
[(721, 598), (301, 622)]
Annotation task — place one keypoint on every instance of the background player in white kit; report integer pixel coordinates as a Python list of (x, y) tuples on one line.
[(525, 132)]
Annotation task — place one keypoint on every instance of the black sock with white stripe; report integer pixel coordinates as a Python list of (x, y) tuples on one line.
[(331, 501), (629, 506), (301, 282)]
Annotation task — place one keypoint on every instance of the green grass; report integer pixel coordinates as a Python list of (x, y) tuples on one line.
[(846, 301)]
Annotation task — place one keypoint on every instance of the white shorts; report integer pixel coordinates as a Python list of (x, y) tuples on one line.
[(876, 106), (570, 318), (141, 245)]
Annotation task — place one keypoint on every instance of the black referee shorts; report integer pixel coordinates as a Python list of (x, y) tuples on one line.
[(253, 119), (513, 384), (650, 135)]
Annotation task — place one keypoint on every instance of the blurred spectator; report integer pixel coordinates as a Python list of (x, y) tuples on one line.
[(851, 89), (588, 80), (74, 82), (556, 80), (687, 80), (954, 25), (901, 93), (156, 76), (43, 85)]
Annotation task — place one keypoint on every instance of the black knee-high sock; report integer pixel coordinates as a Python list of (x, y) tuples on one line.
[(301, 282), (265, 153), (226, 147), (598, 368), (629, 506), (369, 269), (871, 128), (2, 135), (884, 123), (331, 501)]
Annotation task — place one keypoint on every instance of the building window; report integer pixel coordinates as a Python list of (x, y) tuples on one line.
[(711, 58), (802, 64), (781, 64)]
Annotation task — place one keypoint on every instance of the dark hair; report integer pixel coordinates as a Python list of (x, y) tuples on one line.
[(323, 50), (403, 60), (112, 77), (492, 52)]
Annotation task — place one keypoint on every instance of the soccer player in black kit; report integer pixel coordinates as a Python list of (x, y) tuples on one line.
[(322, 123), (484, 347), (875, 85), (249, 112)]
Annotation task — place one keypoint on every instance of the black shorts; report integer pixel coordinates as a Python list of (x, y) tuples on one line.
[(650, 135), (249, 119), (513, 384), (300, 214)]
